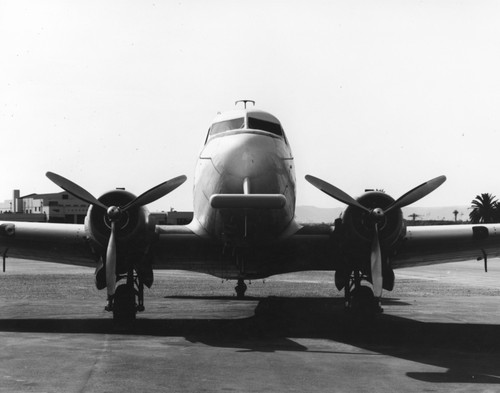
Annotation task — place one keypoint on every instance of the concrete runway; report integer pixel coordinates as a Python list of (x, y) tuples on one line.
[(440, 332)]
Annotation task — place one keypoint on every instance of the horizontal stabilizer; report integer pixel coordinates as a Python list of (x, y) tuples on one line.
[(247, 201)]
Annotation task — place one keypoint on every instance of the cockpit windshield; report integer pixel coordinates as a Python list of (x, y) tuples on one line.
[(227, 125), (265, 125), (246, 121)]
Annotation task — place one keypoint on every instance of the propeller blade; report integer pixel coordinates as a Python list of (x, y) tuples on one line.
[(376, 265), (74, 189), (155, 193), (111, 262), (417, 193), (335, 192)]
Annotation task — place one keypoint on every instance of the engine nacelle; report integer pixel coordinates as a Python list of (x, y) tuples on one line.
[(358, 226), (133, 230)]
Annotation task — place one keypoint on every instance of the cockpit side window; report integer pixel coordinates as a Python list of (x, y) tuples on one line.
[(264, 125), (227, 125)]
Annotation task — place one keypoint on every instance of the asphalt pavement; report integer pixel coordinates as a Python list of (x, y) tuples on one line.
[(440, 332)]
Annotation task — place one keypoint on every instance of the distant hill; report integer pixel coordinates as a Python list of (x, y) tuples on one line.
[(311, 214)]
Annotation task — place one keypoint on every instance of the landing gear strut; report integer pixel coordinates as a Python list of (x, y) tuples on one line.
[(240, 289), (128, 298), (358, 297)]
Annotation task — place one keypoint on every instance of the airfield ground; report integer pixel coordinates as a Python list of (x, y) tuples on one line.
[(440, 332)]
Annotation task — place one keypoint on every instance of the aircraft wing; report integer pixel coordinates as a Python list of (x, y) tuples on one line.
[(310, 247), (426, 245), (49, 242), (319, 247), (189, 248)]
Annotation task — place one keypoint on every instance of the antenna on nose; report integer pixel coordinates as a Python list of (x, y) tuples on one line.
[(245, 102)]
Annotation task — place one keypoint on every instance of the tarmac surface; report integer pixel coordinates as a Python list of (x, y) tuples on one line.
[(440, 332)]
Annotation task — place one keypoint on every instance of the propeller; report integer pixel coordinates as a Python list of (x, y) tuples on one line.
[(377, 215), (376, 264), (114, 213), (335, 192), (74, 189), (111, 262)]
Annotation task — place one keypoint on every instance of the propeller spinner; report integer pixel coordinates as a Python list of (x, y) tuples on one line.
[(377, 215), (114, 213)]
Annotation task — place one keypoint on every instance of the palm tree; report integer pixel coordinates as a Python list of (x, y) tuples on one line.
[(485, 208), (414, 216), (455, 213)]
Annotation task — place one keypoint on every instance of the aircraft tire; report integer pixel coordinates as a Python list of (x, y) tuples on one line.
[(124, 307), (363, 299)]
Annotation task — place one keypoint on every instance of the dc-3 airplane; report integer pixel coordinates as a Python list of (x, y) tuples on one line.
[(244, 227)]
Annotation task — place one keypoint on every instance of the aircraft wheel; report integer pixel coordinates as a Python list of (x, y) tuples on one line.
[(364, 301), (124, 307)]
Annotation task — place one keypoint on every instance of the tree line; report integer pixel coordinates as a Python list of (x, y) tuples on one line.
[(485, 209)]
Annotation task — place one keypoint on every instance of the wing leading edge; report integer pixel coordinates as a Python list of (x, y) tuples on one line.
[(313, 247), (49, 242), (319, 247), (427, 245)]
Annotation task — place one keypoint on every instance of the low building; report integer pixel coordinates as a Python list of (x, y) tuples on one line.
[(58, 207), (179, 218), (65, 208), (173, 217), (53, 207)]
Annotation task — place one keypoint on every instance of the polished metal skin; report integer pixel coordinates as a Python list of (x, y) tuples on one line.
[(243, 226)]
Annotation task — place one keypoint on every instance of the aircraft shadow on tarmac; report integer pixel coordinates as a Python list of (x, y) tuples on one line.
[(469, 352)]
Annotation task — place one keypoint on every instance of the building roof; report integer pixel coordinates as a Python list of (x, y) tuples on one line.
[(55, 195)]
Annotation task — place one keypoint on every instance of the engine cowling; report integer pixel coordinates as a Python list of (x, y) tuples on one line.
[(132, 224), (134, 232), (370, 229), (358, 225), (120, 218)]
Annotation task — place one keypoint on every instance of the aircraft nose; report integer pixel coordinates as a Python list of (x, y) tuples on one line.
[(246, 155)]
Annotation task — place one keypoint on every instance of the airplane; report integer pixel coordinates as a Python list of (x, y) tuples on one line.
[(244, 226)]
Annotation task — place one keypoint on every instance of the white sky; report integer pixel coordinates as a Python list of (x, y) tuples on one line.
[(372, 94)]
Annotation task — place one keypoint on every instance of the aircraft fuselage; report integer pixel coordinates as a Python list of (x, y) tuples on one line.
[(254, 158)]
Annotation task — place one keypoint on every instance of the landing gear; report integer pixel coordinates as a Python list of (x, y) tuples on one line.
[(128, 298), (240, 289), (359, 298), (124, 307)]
